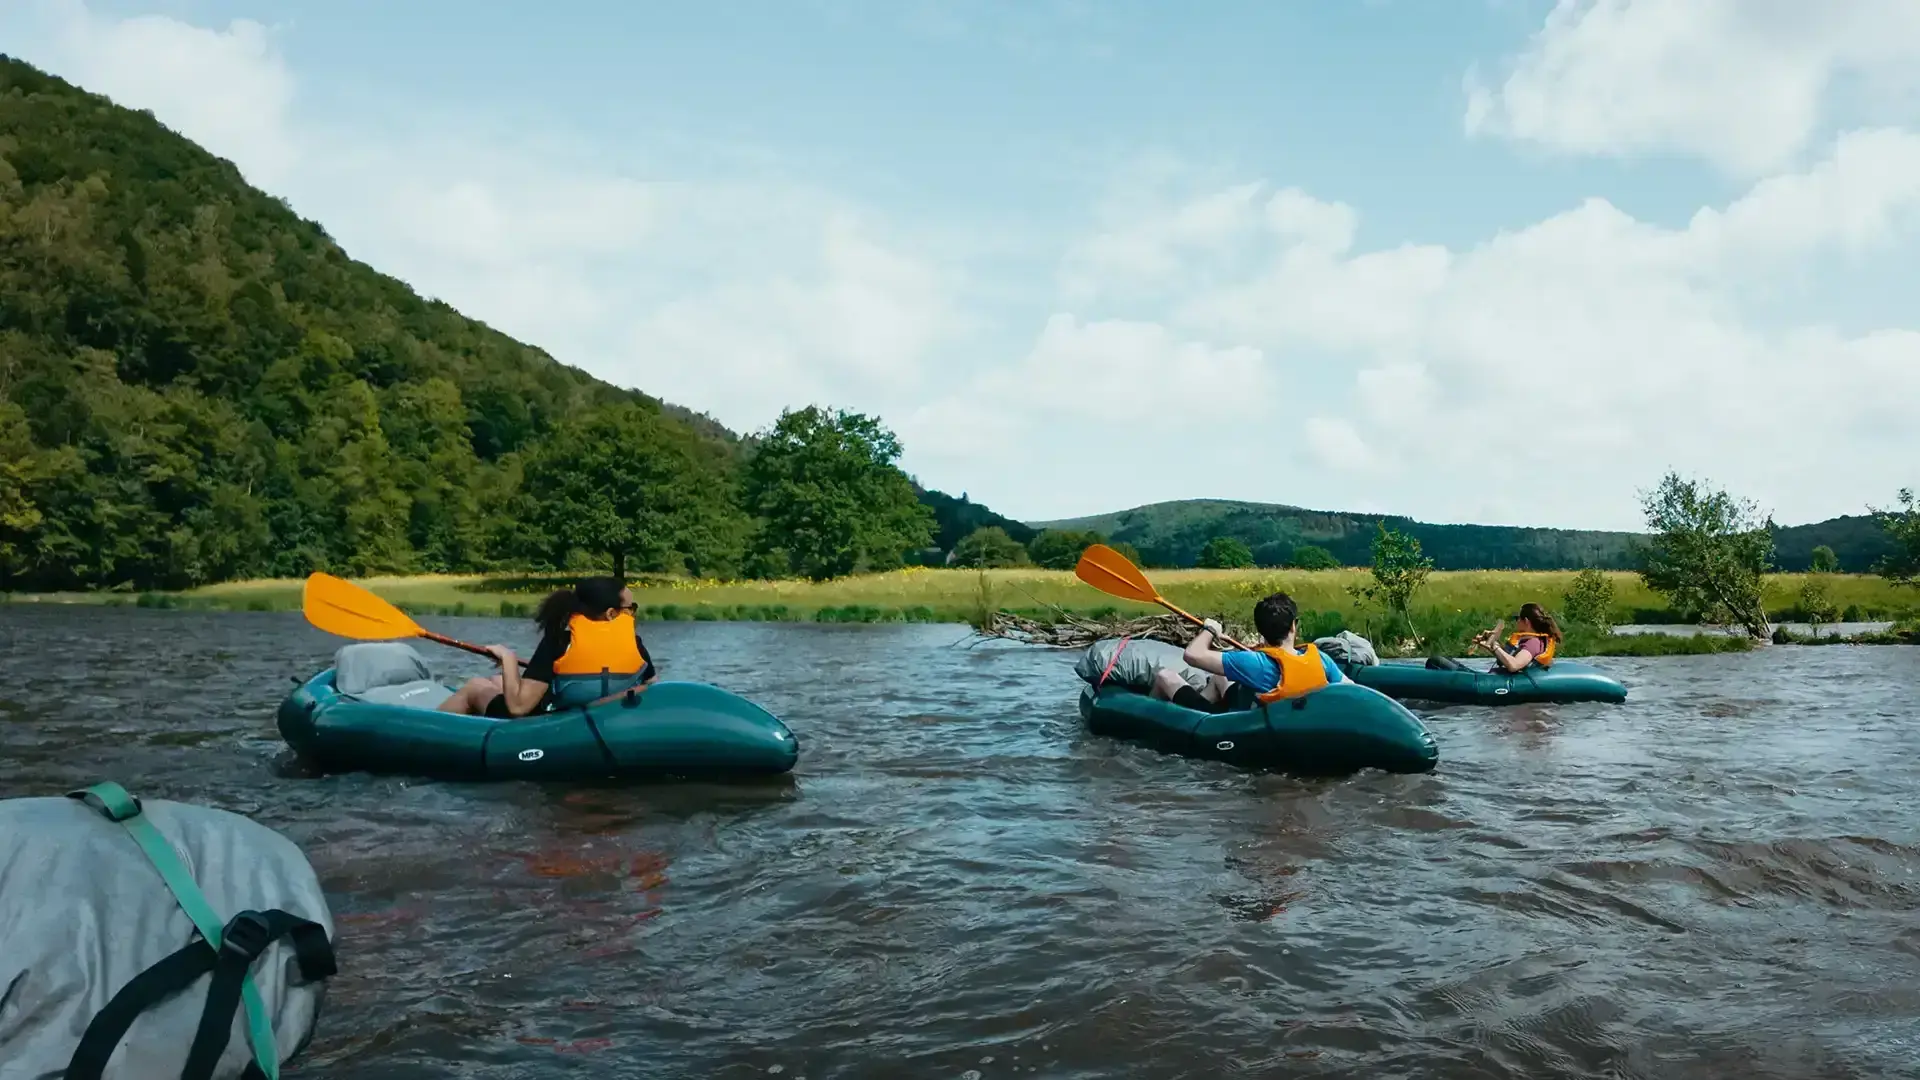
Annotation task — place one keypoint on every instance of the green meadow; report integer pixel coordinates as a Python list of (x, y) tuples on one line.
[(1447, 611)]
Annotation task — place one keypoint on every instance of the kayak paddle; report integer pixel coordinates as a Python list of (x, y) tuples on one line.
[(1114, 574), (343, 608)]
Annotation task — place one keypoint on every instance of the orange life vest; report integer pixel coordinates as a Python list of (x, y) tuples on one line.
[(595, 646), (1300, 673), (1545, 659)]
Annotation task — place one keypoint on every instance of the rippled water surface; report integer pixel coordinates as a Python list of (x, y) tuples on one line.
[(1719, 879)]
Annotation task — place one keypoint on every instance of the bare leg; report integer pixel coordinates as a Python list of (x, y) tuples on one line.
[(1216, 688), (473, 695), (1166, 683)]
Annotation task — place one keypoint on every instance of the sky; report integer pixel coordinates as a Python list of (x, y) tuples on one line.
[(1494, 261)]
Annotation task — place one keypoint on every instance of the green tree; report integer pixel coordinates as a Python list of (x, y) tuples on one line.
[(29, 476), (426, 427), (1312, 557), (1132, 553), (632, 485), (1816, 601), (988, 547), (1589, 600), (1822, 560), (1709, 552), (1902, 566), (1060, 549), (1225, 553), (829, 496), (1398, 570)]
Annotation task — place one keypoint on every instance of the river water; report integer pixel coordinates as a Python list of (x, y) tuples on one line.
[(1719, 879)]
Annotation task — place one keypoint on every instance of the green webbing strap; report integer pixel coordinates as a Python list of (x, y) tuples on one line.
[(112, 800)]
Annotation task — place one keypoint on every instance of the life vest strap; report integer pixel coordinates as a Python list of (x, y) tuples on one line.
[(117, 806)]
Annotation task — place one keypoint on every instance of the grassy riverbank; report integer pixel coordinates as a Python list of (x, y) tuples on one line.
[(1450, 608)]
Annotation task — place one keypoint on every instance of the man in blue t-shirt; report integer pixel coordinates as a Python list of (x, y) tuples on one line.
[(1237, 677)]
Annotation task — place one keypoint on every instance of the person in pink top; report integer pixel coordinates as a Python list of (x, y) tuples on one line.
[(1535, 642)]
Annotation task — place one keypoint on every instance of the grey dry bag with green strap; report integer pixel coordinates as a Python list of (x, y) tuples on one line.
[(158, 940)]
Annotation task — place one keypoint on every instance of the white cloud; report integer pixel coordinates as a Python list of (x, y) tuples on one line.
[(1743, 83), (1148, 251), (1095, 410), (1540, 376), (858, 329)]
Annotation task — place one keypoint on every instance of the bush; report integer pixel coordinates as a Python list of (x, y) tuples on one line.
[(987, 547), (1226, 553), (1588, 601), (1059, 549), (1816, 601), (1823, 560), (1312, 557), (1398, 571)]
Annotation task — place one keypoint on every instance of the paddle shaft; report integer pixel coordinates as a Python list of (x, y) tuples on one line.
[(1163, 602), (431, 636)]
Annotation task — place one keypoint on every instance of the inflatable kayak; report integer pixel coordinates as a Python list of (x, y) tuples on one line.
[(1334, 731), (1566, 681), (381, 717)]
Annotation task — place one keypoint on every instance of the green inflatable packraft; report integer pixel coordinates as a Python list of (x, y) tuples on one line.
[(376, 711), (1566, 681), (1333, 731)]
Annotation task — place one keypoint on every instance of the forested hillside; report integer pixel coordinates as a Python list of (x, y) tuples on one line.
[(1858, 541), (196, 384), (1172, 534), (955, 518)]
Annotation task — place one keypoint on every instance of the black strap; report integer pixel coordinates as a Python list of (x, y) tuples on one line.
[(243, 941)]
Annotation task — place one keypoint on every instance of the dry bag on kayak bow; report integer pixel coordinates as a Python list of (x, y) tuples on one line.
[(1131, 662), (158, 940)]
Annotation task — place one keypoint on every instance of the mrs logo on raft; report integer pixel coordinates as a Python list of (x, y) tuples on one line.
[(532, 755)]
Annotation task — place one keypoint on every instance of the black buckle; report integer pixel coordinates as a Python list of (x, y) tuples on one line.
[(247, 934)]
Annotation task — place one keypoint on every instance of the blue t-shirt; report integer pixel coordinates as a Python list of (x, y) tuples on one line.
[(1259, 672)]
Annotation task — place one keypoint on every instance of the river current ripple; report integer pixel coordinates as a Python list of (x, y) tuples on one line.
[(1719, 879)]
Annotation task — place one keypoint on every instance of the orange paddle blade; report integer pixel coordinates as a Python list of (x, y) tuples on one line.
[(341, 607), (1114, 574)]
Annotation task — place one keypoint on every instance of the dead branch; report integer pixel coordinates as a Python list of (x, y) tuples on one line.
[(1077, 632)]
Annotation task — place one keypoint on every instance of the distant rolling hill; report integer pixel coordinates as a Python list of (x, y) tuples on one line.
[(1172, 533), (955, 518)]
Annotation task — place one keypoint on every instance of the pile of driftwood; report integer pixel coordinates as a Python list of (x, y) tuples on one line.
[(1076, 632)]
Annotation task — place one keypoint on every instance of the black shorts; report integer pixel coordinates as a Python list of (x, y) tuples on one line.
[(1237, 698), (1188, 698), (497, 708)]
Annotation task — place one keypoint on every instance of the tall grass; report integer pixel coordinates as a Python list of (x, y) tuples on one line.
[(1445, 614)]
